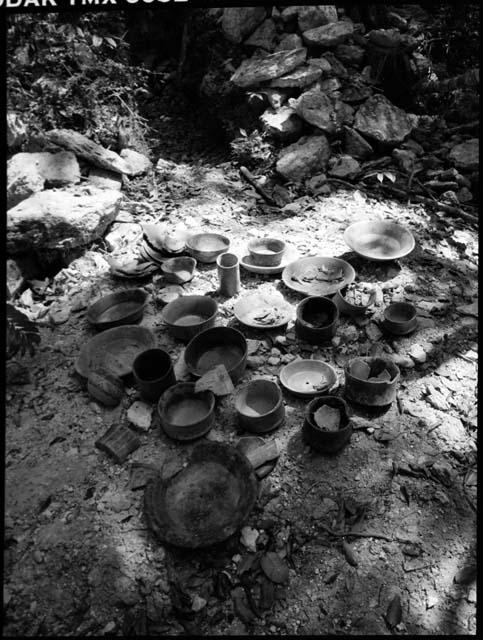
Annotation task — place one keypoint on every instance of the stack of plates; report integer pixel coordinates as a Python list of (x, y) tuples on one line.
[(158, 245), (131, 270)]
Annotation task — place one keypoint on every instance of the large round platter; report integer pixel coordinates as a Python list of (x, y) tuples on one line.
[(379, 240), (318, 276)]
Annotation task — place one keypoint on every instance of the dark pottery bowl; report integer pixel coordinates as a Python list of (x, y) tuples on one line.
[(185, 414), (400, 318), (260, 407), (187, 316), (317, 319), (266, 252), (372, 393), (115, 309), (218, 345), (179, 270), (350, 309), (320, 439)]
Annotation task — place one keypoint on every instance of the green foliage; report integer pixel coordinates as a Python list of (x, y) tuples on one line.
[(251, 150), (72, 74), (22, 333)]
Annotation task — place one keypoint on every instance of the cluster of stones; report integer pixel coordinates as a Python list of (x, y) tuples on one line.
[(310, 65)]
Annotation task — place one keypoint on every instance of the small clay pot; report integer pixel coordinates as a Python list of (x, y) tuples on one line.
[(218, 345), (185, 414), (266, 252), (228, 268), (317, 319), (187, 316), (260, 407), (400, 318), (327, 441), (206, 247), (372, 393), (153, 372), (350, 309)]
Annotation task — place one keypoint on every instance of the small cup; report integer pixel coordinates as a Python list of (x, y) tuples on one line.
[(266, 252), (229, 274), (153, 372)]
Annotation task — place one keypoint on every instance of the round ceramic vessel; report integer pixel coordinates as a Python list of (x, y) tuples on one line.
[(350, 309), (372, 393), (400, 318), (327, 441), (218, 345), (317, 319), (187, 316), (260, 407), (153, 372), (206, 247), (185, 414), (266, 252)]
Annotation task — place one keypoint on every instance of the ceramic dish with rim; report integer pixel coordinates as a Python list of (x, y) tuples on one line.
[(204, 503), (187, 316), (118, 308), (263, 311), (319, 437), (308, 378), (318, 276), (114, 350), (206, 247), (179, 270), (185, 414), (266, 252), (259, 406), (379, 240), (400, 318), (218, 345), (290, 255)]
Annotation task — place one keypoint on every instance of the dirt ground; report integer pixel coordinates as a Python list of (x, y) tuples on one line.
[(79, 557)]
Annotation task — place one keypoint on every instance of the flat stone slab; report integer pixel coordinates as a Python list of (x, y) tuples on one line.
[(256, 70), (304, 158), (466, 155), (61, 220), (239, 22), (300, 77), (322, 111), (380, 120), (328, 35), (263, 36)]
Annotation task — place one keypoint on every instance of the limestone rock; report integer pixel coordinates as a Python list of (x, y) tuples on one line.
[(386, 38), (28, 173), (300, 77), (355, 92), (263, 36), (322, 63), (382, 121), (303, 158), (405, 158), (350, 54), (329, 85), (60, 219), (239, 22), (318, 109), (88, 150), (288, 42), (337, 69), (16, 130), (466, 155), (255, 70), (315, 16), (355, 145), (105, 179), (345, 167), (275, 97), (283, 124), (328, 35), (137, 162)]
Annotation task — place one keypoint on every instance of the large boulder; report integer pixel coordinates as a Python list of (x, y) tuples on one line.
[(289, 41), (60, 220), (322, 111), (305, 157), (253, 71), (29, 173), (301, 77), (350, 54), (282, 124), (17, 131), (328, 35), (239, 22), (263, 36), (344, 167), (380, 120), (315, 16), (137, 162), (466, 155)]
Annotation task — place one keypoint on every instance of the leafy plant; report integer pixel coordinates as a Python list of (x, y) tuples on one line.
[(22, 333)]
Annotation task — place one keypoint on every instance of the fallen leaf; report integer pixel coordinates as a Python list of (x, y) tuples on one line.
[(394, 612), (349, 554), (274, 568)]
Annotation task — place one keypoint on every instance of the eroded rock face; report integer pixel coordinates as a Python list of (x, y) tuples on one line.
[(17, 131), (355, 145), (256, 70), (466, 155), (239, 22), (315, 16), (322, 111), (289, 42), (55, 219), (136, 162), (300, 77), (380, 120), (305, 157), (328, 35), (263, 36), (29, 173)]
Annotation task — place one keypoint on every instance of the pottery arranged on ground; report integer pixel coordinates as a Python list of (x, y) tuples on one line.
[(219, 481)]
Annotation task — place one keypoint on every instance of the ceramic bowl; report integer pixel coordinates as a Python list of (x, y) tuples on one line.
[(122, 307), (308, 378), (323, 440), (266, 252), (185, 414), (400, 318), (187, 316), (218, 345), (260, 407), (179, 270), (350, 309), (206, 247), (371, 393), (379, 239), (317, 319)]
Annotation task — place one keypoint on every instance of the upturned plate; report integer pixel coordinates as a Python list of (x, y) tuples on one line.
[(206, 501), (319, 266), (114, 350), (290, 255)]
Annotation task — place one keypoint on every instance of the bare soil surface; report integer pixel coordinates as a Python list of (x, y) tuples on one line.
[(389, 519)]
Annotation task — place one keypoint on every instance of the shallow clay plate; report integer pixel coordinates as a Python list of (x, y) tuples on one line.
[(290, 255), (115, 309), (308, 378), (318, 276), (263, 311), (114, 350), (379, 239), (205, 502)]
